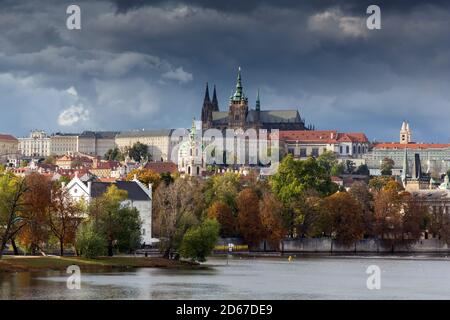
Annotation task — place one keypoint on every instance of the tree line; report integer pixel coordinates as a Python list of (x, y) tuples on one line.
[(38, 215)]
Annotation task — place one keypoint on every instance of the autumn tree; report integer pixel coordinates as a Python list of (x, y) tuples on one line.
[(64, 217), (378, 183), (416, 217), (223, 214), (175, 208), (271, 219), (359, 190), (249, 220), (388, 216), (35, 232), (223, 188), (145, 176), (342, 218)]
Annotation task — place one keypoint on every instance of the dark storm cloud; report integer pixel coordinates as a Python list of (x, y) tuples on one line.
[(137, 63)]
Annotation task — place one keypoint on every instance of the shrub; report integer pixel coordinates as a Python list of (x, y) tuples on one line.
[(198, 242)]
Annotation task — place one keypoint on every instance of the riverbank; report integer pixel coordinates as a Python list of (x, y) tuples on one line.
[(23, 264)]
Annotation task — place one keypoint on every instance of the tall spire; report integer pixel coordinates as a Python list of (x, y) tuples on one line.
[(238, 94), (258, 102), (215, 103), (207, 94)]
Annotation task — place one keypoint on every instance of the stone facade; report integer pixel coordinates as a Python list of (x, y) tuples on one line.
[(9, 147), (157, 141), (37, 144)]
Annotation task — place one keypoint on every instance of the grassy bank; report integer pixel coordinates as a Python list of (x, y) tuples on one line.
[(20, 264)]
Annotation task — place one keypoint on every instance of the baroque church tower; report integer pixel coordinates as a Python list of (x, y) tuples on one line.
[(405, 133)]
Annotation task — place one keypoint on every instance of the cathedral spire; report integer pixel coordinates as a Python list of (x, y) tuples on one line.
[(238, 94), (215, 103), (258, 102), (207, 100)]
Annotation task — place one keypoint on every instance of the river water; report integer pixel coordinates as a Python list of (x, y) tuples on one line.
[(260, 278)]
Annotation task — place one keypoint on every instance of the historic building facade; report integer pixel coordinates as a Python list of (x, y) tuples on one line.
[(306, 143), (435, 157), (241, 116), (37, 144), (158, 142), (9, 148)]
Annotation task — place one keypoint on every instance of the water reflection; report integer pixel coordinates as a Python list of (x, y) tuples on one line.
[(304, 278)]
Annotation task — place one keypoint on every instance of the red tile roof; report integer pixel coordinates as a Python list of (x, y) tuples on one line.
[(322, 136), (396, 145), (162, 167), (8, 137)]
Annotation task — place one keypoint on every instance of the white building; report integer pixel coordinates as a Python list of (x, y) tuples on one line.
[(190, 154), (157, 142), (64, 143), (38, 144), (139, 197)]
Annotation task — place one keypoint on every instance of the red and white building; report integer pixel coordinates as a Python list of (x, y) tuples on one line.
[(306, 143)]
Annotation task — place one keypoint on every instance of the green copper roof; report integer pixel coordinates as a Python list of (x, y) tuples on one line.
[(239, 93)]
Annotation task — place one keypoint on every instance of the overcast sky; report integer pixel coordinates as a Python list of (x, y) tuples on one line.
[(144, 64)]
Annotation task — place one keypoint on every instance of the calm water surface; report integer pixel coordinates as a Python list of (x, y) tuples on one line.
[(274, 278)]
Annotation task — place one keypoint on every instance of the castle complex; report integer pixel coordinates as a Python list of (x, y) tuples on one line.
[(240, 116)]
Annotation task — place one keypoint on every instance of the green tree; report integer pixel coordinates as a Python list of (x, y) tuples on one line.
[(386, 166), (337, 169), (350, 166), (139, 152), (199, 241), (293, 180), (167, 178), (223, 188), (116, 220), (327, 160), (363, 169), (12, 189), (114, 154), (89, 242)]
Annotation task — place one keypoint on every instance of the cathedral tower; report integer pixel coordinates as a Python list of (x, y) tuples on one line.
[(238, 110), (207, 109)]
